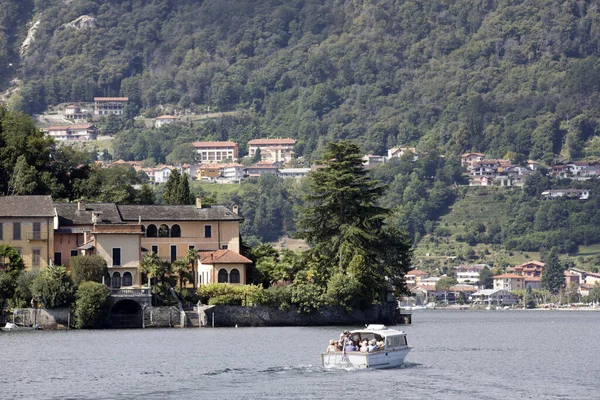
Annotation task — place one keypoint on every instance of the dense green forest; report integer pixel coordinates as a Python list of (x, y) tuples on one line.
[(486, 75)]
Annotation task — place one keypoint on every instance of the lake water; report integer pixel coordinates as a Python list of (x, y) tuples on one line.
[(456, 355)]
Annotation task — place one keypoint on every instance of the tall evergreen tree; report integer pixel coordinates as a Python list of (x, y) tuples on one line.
[(177, 190), (552, 277), (341, 219)]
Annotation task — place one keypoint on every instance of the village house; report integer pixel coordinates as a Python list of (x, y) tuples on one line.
[(295, 173), (400, 151), (164, 120), (370, 160), (75, 113), (208, 172), (531, 268), (509, 282), (498, 297), (469, 273), (211, 152), (71, 132), (413, 277), (467, 159), (571, 277), (579, 194), (233, 172), (254, 171), (109, 105), (273, 150), (27, 224), (222, 266)]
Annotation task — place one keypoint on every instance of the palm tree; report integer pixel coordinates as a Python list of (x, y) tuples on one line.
[(180, 267), (151, 265), (190, 259)]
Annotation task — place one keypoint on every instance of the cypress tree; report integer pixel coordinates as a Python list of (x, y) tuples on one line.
[(552, 277)]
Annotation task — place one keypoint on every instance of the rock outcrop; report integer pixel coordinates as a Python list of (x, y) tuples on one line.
[(83, 22)]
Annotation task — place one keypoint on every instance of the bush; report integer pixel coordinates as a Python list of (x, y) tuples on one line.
[(307, 296), (87, 268), (23, 292), (91, 307), (224, 293), (275, 296), (344, 291), (54, 288)]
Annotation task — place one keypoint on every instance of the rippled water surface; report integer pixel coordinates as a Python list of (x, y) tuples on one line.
[(456, 355)]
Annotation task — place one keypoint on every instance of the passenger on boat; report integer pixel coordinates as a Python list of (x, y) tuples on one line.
[(380, 345), (350, 346), (372, 346), (363, 347), (339, 346), (331, 348)]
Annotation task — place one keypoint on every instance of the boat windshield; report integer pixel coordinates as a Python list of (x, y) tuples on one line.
[(358, 337)]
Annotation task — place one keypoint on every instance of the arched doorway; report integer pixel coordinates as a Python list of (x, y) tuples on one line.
[(126, 314), (223, 276)]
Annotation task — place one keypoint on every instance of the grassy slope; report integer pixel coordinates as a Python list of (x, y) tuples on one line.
[(478, 206)]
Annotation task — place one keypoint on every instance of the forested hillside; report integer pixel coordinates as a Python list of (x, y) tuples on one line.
[(486, 75)]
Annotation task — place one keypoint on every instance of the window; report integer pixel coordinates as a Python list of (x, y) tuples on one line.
[(222, 277), (191, 247), (57, 258), (163, 231), (155, 249), (116, 257), (16, 231), (143, 231), (36, 257), (37, 231), (176, 231), (151, 231), (207, 231), (1, 231), (173, 253), (127, 279), (224, 247), (74, 253), (116, 280), (234, 276)]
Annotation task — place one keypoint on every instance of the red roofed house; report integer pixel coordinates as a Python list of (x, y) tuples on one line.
[(109, 105), (274, 150), (509, 282), (467, 159), (216, 151), (530, 268), (70, 132), (221, 266), (414, 277)]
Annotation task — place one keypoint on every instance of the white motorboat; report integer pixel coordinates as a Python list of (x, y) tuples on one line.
[(390, 355)]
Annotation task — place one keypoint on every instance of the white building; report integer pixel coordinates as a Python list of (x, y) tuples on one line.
[(496, 297), (233, 172), (581, 194), (297, 173), (109, 105), (70, 132), (209, 152)]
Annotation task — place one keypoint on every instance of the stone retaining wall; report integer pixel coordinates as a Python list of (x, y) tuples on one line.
[(161, 317), (56, 318), (271, 316)]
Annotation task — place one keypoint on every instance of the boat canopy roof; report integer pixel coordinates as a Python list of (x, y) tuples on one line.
[(381, 330)]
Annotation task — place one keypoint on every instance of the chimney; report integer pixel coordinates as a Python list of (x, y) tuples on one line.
[(235, 209), (198, 202), (80, 206)]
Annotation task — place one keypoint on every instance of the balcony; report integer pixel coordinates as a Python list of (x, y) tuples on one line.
[(142, 292), (36, 235)]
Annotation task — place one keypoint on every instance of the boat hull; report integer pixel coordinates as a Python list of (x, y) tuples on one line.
[(379, 360)]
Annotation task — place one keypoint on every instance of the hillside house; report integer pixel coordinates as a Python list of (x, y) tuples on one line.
[(294, 173), (254, 171), (71, 132), (579, 194), (467, 159), (109, 105), (164, 120), (273, 150), (509, 282), (401, 151), (211, 152), (76, 113), (370, 160), (531, 268), (209, 172), (414, 277)]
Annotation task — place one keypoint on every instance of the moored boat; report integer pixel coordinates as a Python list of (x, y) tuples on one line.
[(390, 352), (14, 327)]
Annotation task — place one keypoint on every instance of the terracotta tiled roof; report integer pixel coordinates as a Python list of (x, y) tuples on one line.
[(509, 276), (272, 141), (222, 257), (111, 98), (214, 144), (416, 272), (176, 213)]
